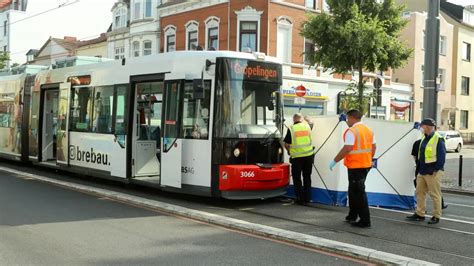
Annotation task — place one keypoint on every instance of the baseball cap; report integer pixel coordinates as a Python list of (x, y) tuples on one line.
[(428, 122)]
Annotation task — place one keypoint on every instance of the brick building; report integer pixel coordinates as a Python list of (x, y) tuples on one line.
[(270, 27)]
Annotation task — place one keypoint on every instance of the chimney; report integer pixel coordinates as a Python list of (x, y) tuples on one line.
[(70, 39)]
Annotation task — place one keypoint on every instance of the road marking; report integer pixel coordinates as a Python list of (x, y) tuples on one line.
[(246, 209), (309, 241), (460, 205), (459, 216), (443, 218), (457, 231), (420, 223)]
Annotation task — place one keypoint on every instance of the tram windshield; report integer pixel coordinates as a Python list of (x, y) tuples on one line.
[(248, 101)]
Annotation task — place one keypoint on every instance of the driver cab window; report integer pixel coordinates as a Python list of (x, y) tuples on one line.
[(196, 110)]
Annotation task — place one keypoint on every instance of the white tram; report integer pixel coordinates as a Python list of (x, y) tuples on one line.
[(202, 122)]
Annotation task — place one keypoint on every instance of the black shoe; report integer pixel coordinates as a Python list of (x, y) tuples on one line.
[(302, 203), (361, 224), (444, 206), (433, 220), (415, 217), (350, 219)]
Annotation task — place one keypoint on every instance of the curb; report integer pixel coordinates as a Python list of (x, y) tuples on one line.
[(354, 251), (457, 191)]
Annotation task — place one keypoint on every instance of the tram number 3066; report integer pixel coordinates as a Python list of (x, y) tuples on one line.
[(247, 174)]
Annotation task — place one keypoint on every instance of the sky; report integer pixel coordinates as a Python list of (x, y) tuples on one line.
[(86, 18), (462, 2)]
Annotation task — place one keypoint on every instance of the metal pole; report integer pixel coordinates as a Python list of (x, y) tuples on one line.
[(460, 171), (430, 94)]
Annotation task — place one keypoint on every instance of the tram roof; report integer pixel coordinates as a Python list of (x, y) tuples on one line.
[(179, 61)]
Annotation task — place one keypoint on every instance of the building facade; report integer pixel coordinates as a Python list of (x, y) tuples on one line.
[(55, 49), (272, 27), (462, 18), (455, 100), (135, 29), (96, 47), (413, 72), (10, 10)]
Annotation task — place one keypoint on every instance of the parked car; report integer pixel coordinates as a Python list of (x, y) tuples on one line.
[(453, 140)]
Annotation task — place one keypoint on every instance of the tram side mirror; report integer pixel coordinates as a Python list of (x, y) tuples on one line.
[(198, 89)]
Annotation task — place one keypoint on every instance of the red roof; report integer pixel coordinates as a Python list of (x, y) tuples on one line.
[(5, 3)]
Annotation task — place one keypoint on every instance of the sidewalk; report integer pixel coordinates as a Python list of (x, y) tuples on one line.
[(450, 182)]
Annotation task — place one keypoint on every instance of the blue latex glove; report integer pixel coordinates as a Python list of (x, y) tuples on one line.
[(332, 164), (342, 117), (417, 125)]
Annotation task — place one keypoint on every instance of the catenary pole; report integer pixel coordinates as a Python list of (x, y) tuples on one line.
[(430, 93)]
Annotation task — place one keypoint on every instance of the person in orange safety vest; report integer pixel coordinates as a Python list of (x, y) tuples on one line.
[(358, 151)]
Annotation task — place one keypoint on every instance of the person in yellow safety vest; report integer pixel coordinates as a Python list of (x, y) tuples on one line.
[(358, 151), (299, 145), (431, 156)]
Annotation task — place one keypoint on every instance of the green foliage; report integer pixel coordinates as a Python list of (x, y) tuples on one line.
[(351, 100), (4, 57), (15, 65), (357, 35)]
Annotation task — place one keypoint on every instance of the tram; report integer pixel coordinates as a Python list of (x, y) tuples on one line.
[(198, 122)]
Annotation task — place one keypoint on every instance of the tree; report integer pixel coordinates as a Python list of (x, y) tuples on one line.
[(15, 65), (357, 35), (4, 57)]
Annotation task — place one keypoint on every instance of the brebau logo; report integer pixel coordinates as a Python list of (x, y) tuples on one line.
[(90, 156)]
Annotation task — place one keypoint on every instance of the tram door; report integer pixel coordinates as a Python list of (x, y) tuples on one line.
[(147, 130), (172, 143), (62, 125), (50, 120)]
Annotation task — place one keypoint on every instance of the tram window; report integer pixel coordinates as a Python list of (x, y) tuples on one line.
[(121, 115), (103, 109), (6, 113), (171, 123), (196, 112), (81, 109)]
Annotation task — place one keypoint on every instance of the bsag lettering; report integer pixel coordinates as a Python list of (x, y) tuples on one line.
[(187, 170), (92, 157)]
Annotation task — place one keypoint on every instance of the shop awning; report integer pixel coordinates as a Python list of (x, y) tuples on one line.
[(400, 106)]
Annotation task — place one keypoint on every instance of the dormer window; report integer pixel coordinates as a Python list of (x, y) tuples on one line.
[(120, 18)]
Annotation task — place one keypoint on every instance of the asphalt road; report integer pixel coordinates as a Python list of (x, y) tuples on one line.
[(43, 224), (448, 243)]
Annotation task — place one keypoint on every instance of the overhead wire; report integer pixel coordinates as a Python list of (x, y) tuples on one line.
[(65, 4), (95, 35)]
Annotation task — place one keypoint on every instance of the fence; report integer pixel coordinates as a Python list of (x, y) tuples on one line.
[(468, 138)]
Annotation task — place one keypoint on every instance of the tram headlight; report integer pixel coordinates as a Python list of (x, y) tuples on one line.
[(236, 152)]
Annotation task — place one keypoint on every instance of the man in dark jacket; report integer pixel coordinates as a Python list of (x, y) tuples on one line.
[(414, 152), (431, 157)]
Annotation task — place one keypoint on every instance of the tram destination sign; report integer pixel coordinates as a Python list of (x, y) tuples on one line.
[(251, 70)]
